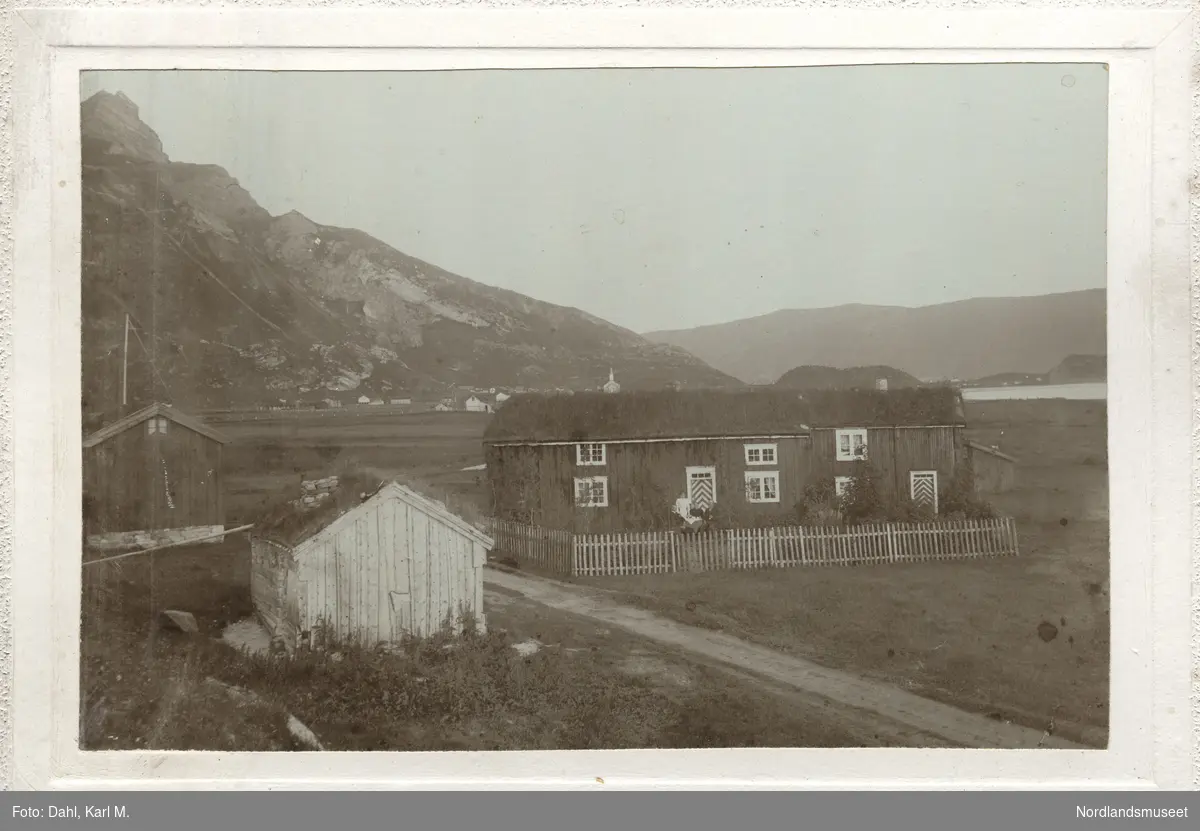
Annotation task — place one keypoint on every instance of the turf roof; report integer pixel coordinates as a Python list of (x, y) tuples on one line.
[(708, 413)]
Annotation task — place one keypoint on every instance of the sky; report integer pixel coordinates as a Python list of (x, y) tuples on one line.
[(671, 198)]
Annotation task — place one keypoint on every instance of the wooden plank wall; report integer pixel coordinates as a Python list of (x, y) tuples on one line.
[(535, 484), (386, 570), (125, 485)]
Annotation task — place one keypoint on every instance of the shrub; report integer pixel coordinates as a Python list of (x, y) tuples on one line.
[(818, 505), (958, 500), (862, 500)]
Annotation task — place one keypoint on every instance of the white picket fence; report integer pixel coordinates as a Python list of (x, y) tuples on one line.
[(665, 552)]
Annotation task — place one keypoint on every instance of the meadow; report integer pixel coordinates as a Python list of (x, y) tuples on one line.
[(1023, 639)]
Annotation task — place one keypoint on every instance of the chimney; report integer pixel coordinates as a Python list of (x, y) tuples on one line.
[(881, 384)]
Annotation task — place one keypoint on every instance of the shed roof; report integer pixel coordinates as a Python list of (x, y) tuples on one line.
[(670, 414), (134, 419), (991, 451), (291, 525)]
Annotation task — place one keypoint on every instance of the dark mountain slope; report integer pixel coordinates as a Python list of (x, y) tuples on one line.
[(232, 307)]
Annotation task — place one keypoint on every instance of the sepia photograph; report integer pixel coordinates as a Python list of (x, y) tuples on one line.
[(606, 408)]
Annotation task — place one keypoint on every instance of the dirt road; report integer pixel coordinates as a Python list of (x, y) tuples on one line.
[(953, 726)]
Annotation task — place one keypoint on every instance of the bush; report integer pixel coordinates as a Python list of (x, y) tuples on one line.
[(958, 500)]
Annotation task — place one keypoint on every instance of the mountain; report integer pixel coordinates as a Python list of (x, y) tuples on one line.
[(1079, 369), (858, 377), (231, 306), (964, 339)]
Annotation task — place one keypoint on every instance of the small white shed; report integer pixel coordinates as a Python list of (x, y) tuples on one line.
[(373, 567)]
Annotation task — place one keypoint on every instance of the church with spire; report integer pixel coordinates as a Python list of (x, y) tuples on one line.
[(612, 385)]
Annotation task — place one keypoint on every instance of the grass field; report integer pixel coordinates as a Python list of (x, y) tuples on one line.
[(587, 687), (271, 450), (966, 633)]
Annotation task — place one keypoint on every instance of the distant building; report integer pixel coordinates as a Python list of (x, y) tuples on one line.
[(612, 385), (362, 399), (442, 407), (881, 384), (476, 405), (501, 397), (401, 401)]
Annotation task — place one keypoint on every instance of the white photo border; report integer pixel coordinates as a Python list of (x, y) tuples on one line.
[(1154, 727)]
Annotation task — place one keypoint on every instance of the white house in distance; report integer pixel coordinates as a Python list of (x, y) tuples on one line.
[(477, 405), (362, 399), (374, 566)]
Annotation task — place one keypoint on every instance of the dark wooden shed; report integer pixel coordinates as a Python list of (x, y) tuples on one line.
[(152, 477), (995, 472), (628, 461)]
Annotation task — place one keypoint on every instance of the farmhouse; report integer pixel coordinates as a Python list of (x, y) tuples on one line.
[(374, 561), (151, 477), (608, 462)]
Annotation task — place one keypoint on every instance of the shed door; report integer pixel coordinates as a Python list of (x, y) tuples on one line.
[(702, 487), (401, 603), (923, 488)]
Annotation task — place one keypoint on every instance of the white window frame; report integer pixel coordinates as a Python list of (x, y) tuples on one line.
[(912, 480), (762, 477), (591, 480), (851, 433), (587, 461), (762, 450), (156, 424), (840, 483)]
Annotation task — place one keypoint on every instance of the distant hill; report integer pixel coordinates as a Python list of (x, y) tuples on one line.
[(1079, 369), (231, 306), (1073, 369), (961, 340), (831, 378)]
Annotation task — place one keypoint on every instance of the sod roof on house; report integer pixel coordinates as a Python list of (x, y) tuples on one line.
[(288, 523), (710, 413)]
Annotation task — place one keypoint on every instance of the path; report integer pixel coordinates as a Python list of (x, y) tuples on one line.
[(955, 726)]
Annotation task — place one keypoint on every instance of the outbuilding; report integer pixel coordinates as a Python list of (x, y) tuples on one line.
[(367, 562), (152, 477), (994, 472)]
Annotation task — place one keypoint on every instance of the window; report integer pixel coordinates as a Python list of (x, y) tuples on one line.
[(591, 492), (762, 486), (851, 445), (761, 454), (923, 488), (157, 424), (590, 454), (840, 484)]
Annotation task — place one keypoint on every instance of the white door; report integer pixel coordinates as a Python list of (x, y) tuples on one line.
[(702, 487), (923, 488)]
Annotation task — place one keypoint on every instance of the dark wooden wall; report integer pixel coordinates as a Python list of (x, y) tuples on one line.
[(537, 483), (993, 474), (894, 452), (125, 490)]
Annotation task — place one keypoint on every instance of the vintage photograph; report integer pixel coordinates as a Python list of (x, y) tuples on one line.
[(595, 408)]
